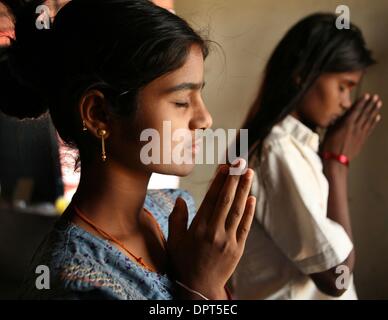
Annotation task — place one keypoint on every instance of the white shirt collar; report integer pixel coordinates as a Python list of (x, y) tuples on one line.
[(300, 132)]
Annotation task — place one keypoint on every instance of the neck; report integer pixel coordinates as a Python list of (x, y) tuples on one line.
[(302, 119), (112, 196)]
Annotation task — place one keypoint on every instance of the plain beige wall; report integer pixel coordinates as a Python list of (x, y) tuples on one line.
[(248, 31)]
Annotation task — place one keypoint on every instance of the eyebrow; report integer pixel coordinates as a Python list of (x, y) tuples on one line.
[(351, 82), (186, 86)]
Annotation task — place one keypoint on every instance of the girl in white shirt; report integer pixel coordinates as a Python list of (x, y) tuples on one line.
[(300, 245)]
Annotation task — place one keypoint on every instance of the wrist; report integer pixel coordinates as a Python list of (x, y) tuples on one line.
[(215, 293), (339, 158), (334, 169), (198, 292)]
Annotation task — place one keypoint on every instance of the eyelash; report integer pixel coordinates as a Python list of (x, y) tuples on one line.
[(342, 88), (182, 104)]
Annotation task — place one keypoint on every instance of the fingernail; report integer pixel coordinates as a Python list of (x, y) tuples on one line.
[(236, 163), (378, 118), (367, 96), (249, 174), (253, 201), (375, 97), (379, 104), (238, 167)]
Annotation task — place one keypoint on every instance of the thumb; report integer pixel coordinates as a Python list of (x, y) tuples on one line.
[(177, 222)]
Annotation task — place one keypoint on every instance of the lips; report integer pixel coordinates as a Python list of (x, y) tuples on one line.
[(194, 146)]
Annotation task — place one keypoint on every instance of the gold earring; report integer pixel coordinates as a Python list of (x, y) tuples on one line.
[(84, 126), (102, 133)]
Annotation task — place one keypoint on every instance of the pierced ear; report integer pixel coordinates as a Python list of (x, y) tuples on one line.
[(93, 111)]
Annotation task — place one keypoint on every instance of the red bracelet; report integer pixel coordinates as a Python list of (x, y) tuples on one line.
[(341, 158)]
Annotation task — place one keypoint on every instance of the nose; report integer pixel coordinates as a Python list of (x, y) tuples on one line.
[(201, 118), (346, 102)]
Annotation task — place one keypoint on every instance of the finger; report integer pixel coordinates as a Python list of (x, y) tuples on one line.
[(375, 123), (237, 210), (177, 222), (211, 196), (359, 105), (225, 200), (368, 110), (246, 221), (371, 120)]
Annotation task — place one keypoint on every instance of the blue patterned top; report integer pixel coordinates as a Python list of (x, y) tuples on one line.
[(83, 266)]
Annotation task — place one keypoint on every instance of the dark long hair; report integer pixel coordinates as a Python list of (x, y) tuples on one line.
[(116, 46), (312, 47)]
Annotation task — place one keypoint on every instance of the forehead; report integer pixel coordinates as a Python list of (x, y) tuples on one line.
[(353, 76), (351, 79), (191, 72)]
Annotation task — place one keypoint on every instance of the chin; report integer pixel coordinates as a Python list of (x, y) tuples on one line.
[(180, 170), (183, 170), (322, 124), (327, 124)]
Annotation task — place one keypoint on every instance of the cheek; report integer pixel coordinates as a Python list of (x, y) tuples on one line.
[(334, 103), (148, 118), (326, 99), (313, 103), (171, 128), (170, 121), (155, 116)]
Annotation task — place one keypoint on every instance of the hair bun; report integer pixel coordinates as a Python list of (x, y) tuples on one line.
[(24, 87), (18, 100)]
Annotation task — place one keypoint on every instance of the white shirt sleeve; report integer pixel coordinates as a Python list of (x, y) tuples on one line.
[(296, 193)]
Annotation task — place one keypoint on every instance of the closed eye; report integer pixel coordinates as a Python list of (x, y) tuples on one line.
[(182, 104)]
